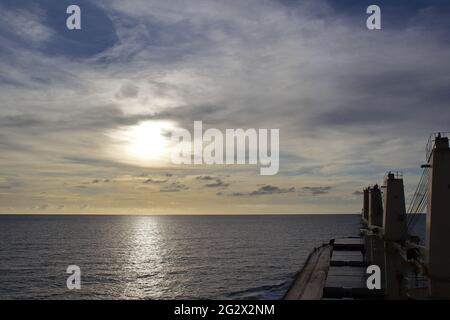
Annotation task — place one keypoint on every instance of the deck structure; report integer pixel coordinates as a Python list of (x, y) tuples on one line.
[(408, 270), (334, 271)]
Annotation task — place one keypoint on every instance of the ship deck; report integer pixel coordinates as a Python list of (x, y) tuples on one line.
[(334, 271)]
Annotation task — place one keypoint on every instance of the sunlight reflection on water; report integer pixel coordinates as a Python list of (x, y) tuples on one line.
[(160, 257)]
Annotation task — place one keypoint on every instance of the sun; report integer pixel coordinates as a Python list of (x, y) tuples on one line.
[(146, 142)]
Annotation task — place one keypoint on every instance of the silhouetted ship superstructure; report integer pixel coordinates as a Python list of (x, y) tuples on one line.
[(409, 270)]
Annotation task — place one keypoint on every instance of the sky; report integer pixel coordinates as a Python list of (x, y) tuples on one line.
[(85, 115)]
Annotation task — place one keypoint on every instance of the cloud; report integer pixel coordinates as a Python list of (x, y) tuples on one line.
[(357, 193), (96, 181), (347, 109), (264, 190), (41, 26), (206, 178), (127, 91), (151, 180), (269, 189), (174, 187), (317, 190), (219, 183), (26, 25), (214, 182), (335, 87), (19, 121), (9, 183)]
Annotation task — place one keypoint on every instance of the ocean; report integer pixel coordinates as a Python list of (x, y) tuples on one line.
[(160, 257)]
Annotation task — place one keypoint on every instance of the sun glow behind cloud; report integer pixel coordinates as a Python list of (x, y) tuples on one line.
[(145, 144)]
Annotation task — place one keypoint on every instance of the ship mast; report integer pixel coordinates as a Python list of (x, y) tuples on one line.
[(438, 217), (394, 218)]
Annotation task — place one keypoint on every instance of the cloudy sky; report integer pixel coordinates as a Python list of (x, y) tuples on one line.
[(84, 114)]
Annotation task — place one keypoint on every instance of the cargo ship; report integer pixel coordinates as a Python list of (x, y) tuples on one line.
[(409, 267)]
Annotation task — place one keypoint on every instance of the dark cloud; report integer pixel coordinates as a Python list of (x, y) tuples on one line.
[(206, 178), (19, 121), (269, 189), (219, 183), (95, 181), (264, 190), (390, 97), (317, 190), (127, 91), (174, 187), (100, 118), (156, 181)]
